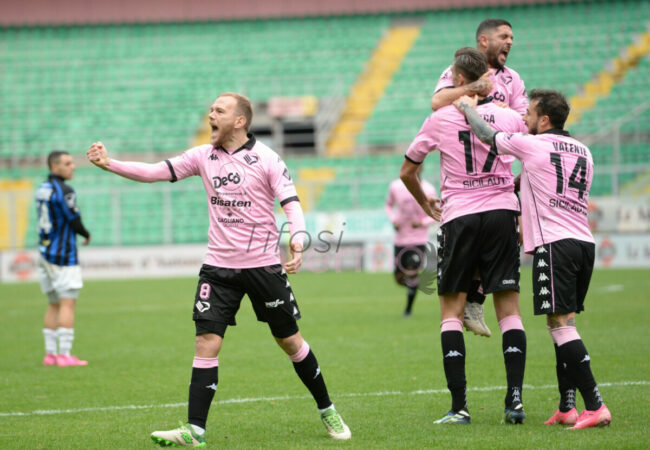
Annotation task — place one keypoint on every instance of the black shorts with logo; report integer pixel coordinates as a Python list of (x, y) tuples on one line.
[(561, 274), (220, 292), (486, 241), (410, 259)]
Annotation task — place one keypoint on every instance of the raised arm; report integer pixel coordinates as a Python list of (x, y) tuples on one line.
[(483, 131), (444, 97), (409, 176), (136, 171)]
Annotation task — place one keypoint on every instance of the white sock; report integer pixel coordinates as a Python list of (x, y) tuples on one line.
[(66, 336), (325, 409), (50, 341), (198, 429)]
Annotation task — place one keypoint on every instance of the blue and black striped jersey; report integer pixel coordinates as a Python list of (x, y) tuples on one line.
[(59, 222)]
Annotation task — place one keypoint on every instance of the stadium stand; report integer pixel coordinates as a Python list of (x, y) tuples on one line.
[(144, 88), (147, 87)]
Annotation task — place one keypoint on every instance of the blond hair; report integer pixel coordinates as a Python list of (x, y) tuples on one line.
[(244, 107)]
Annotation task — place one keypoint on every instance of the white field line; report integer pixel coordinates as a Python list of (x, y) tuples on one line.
[(44, 412)]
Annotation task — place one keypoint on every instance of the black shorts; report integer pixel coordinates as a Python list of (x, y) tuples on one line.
[(220, 291), (409, 260), (487, 242), (561, 274)]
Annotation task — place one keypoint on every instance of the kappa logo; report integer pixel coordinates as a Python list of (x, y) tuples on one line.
[(295, 311), (453, 353), (542, 263), (544, 291), (317, 372), (542, 277), (274, 304), (586, 359), (508, 282), (213, 157), (202, 306), (540, 250), (512, 350), (546, 305), (213, 386), (251, 158)]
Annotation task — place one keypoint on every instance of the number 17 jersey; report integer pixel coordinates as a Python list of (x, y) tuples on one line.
[(473, 178)]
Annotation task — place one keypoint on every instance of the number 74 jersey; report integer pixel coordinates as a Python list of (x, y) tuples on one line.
[(556, 176), (473, 177)]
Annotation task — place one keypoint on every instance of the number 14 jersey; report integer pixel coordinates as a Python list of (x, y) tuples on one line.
[(556, 176), (473, 178)]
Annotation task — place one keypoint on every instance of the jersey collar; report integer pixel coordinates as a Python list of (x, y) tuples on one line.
[(556, 131), (487, 99), (248, 145), (58, 178)]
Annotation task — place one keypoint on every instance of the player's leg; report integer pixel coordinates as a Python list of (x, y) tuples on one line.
[(452, 306), (49, 329), (457, 261), (306, 366), (513, 345), (499, 272), (474, 319), (281, 315), (564, 268), (409, 261), (65, 330), (217, 300), (573, 353)]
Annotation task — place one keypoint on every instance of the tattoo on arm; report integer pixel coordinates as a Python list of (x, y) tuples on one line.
[(481, 128), (477, 86)]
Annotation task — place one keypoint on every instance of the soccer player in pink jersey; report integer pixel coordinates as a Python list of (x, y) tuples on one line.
[(494, 39), (411, 225), (242, 179), (478, 233), (557, 171)]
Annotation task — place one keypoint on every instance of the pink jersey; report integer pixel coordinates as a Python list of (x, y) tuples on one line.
[(473, 178), (241, 188), (556, 176), (402, 209), (508, 87)]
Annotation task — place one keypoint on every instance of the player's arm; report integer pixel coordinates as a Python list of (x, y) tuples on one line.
[(72, 213), (136, 171), (482, 130), (389, 208), (409, 176), (446, 96), (297, 230)]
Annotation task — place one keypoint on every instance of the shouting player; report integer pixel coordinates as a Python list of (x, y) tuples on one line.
[(494, 39), (242, 179)]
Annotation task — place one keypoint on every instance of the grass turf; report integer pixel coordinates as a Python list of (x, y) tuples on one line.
[(384, 372)]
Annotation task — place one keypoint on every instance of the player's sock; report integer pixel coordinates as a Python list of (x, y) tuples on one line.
[(306, 366), (514, 355), (50, 341), (65, 337), (205, 377), (453, 359), (574, 354), (475, 293), (566, 387), (411, 291)]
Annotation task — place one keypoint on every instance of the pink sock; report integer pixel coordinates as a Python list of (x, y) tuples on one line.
[(205, 363), (451, 325), (300, 354), (511, 323)]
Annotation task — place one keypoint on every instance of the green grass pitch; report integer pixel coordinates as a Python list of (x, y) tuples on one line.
[(384, 372)]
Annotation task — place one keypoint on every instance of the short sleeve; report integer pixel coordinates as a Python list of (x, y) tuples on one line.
[(519, 99), (425, 141), (515, 144), (186, 165), (445, 80), (281, 181)]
